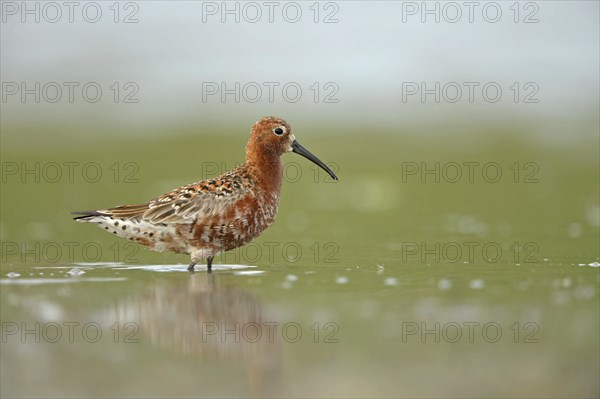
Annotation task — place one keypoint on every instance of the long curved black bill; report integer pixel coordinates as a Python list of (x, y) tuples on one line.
[(298, 149)]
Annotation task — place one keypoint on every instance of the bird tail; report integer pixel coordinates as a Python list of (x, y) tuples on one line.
[(85, 215)]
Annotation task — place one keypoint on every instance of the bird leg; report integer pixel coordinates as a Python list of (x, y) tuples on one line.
[(196, 257)]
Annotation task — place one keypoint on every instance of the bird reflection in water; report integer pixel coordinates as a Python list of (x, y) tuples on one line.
[(201, 317)]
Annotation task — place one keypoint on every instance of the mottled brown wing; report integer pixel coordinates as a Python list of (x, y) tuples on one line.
[(191, 202), (199, 205), (199, 200)]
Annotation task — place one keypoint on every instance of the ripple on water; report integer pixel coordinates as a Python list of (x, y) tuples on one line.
[(183, 268), (99, 264), (593, 264), (40, 281), (249, 272)]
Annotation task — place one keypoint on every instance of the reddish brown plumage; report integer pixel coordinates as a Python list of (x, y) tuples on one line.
[(214, 215)]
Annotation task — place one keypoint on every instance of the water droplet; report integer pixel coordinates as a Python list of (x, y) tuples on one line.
[(12, 275), (75, 272), (291, 277), (390, 281), (444, 284), (341, 280), (594, 264), (476, 284)]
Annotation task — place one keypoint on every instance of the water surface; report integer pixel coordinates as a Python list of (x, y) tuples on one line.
[(385, 284)]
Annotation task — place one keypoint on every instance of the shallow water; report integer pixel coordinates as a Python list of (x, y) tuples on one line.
[(380, 285), (123, 330)]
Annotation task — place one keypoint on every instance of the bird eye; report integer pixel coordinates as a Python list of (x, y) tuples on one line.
[(278, 131)]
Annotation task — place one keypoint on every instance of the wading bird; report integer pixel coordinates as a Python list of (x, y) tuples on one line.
[(205, 218)]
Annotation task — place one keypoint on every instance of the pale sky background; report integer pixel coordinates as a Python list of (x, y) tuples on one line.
[(367, 54)]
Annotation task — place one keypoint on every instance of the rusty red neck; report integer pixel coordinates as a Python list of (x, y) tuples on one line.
[(266, 167)]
